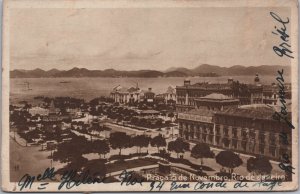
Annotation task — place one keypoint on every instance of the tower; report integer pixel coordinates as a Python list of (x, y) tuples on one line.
[(187, 82), (52, 108), (256, 80)]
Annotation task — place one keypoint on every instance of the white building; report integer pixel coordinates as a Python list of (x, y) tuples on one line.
[(125, 95), (38, 110), (170, 94)]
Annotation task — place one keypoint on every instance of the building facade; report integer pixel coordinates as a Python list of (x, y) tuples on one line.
[(149, 96), (252, 130), (271, 96), (124, 95), (38, 111), (198, 125), (248, 129), (246, 93), (170, 95)]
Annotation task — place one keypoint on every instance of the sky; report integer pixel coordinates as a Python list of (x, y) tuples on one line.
[(142, 38)]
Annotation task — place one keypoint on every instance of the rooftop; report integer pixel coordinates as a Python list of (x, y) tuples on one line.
[(133, 89), (121, 89), (216, 97), (255, 111), (171, 90), (38, 108), (207, 86), (201, 112), (150, 112), (215, 86)]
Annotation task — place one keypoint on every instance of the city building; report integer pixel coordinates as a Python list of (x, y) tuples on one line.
[(270, 93), (249, 129), (74, 112), (246, 93), (216, 101), (53, 115), (252, 129), (170, 95), (38, 111), (149, 95), (132, 95), (148, 113), (124, 95), (198, 124)]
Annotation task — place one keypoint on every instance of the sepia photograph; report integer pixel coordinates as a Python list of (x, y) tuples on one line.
[(152, 95)]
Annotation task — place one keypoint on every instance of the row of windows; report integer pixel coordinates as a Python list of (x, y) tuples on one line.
[(197, 127), (198, 136), (226, 142), (246, 123), (246, 134), (250, 134)]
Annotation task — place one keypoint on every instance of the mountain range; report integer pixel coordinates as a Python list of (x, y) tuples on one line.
[(203, 69)]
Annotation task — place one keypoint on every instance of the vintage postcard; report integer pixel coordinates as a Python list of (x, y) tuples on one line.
[(149, 95)]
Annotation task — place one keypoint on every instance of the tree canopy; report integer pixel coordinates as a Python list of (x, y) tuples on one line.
[(95, 168), (259, 165), (101, 147), (178, 146), (158, 141), (119, 140), (71, 150), (202, 150), (228, 159), (141, 141)]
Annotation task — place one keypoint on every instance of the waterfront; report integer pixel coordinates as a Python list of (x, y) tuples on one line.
[(57, 115), (89, 88)]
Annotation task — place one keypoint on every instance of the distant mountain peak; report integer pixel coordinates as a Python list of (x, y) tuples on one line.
[(201, 70), (38, 69), (53, 69)]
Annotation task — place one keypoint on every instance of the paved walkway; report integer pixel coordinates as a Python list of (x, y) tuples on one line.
[(33, 153), (16, 137), (128, 130), (30, 160), (88, 137), (133, 169)]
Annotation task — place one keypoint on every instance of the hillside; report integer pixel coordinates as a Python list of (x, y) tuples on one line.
[(201, 70)]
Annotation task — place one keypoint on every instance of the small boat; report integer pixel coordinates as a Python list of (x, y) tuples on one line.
[(64, 82)]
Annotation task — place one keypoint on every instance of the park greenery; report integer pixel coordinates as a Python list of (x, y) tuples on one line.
[(70, 148), (259, 165)]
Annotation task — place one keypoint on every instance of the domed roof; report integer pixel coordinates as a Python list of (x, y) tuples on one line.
[(217, 96)]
